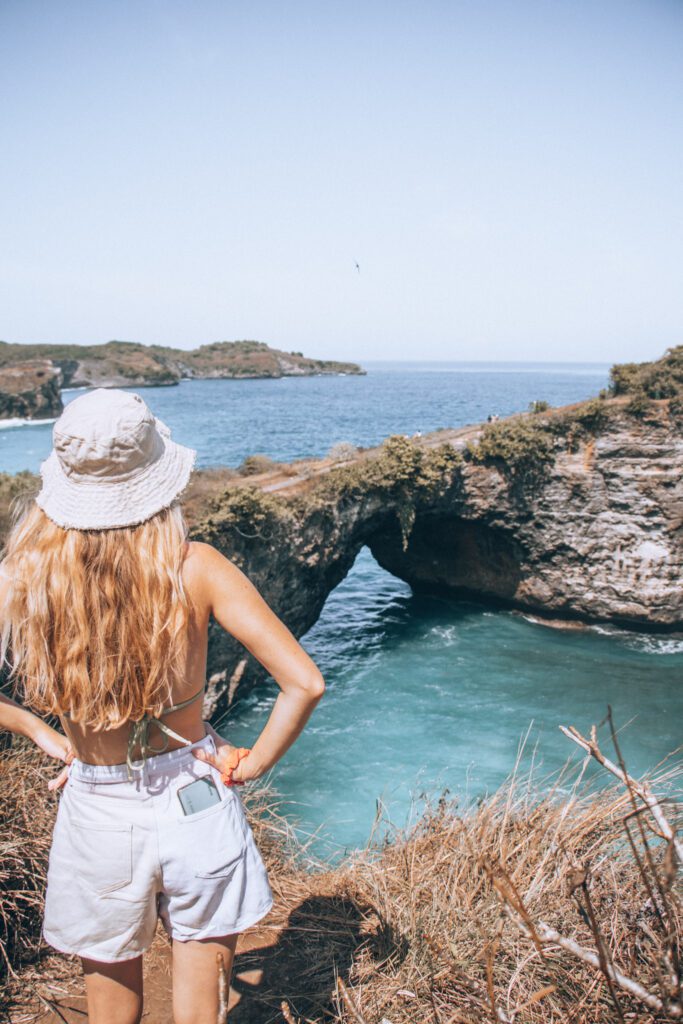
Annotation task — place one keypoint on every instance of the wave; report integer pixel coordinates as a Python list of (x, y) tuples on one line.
[(448, 635), (18, 421), (645, 643)]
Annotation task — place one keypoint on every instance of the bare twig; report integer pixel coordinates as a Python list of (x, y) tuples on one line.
[(641, 788), (549, 935)]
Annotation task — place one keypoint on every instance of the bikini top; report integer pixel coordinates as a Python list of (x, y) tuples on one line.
[(139, 735)]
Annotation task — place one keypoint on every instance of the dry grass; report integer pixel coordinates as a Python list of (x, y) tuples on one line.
[(468, 917), (26, 816), (463, 901)]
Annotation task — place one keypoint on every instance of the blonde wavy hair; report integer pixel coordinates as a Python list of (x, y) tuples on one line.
[(94, 624)]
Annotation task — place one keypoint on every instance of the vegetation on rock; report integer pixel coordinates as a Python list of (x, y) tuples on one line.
[(247, 510), (661, 378), (124, 363), (255, 464), (520, 445), (402, 468), (14, 488)]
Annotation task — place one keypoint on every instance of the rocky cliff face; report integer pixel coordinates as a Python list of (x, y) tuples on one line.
[(584, 524), (30, 390), (597, 537)]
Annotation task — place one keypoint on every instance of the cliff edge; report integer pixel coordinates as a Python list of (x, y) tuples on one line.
[(571, 513)]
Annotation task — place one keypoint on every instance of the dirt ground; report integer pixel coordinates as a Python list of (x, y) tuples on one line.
[(69, 1004), (296, 953)]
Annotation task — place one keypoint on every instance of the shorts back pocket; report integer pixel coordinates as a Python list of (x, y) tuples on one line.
[(223, 844), (104, 855)]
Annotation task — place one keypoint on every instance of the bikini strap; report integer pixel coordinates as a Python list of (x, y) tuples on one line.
[(139, 735)]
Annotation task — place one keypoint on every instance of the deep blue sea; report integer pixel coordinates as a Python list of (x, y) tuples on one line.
[(422, 692)]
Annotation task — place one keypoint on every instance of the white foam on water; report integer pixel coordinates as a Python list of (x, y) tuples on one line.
[(17, 421), (647, 643), (447, 634), (656, 645)]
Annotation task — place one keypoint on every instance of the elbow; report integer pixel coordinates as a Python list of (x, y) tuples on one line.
[(315, 687)]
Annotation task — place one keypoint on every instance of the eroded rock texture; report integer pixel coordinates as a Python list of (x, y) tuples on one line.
[(30, 390), (594, 534)]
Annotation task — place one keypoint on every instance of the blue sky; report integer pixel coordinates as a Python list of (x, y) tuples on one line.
[(508, 175)]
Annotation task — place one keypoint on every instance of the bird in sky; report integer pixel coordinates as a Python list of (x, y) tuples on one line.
[(357, 266)]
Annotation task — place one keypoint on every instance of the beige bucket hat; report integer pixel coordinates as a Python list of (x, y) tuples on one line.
[(113, 463)]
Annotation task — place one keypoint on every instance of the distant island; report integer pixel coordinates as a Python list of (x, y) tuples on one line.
[(32, 376)]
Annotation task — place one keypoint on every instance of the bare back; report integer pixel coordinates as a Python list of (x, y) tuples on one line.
[(110, 746), (216, 587)]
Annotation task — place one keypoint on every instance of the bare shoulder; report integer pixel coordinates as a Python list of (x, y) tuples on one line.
[(201, 556), (206, 570)]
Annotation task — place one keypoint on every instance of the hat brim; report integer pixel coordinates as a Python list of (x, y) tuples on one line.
[(108, 503)]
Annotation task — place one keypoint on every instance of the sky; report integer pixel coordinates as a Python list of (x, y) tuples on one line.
[(508, 175)]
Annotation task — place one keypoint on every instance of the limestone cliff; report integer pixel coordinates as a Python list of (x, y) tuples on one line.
[(574, 515), (30, 390)]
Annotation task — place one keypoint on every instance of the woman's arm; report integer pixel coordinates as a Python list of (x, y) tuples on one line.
[(16, 719), (239, 608)]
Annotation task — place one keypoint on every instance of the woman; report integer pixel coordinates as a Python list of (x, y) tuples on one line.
[(104, 611)]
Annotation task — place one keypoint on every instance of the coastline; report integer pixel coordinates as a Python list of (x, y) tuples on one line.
[(17, 421)]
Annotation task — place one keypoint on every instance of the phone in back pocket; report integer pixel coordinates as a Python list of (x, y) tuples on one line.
[(198, 795)]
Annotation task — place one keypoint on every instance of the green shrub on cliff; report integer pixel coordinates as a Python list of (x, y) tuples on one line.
[(593, 415), (399, 462), (252, 465), (676, 409), (403, 468), (639, 406), (662, 378), (520, 445), (246, 510)]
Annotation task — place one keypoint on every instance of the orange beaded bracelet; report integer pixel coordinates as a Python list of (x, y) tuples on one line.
[(230, 761)]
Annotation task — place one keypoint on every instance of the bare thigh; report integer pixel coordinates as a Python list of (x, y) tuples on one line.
[(114, 991), (195, 978)]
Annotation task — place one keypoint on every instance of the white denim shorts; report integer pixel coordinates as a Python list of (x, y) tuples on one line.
[(124, 853)]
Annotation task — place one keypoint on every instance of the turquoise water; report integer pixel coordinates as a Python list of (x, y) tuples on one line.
[(295, 418), (422, 692)]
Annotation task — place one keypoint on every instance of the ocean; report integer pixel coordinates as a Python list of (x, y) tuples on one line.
[(423, 693)]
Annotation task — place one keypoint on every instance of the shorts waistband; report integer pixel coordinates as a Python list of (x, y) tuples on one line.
[(158, 764)]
